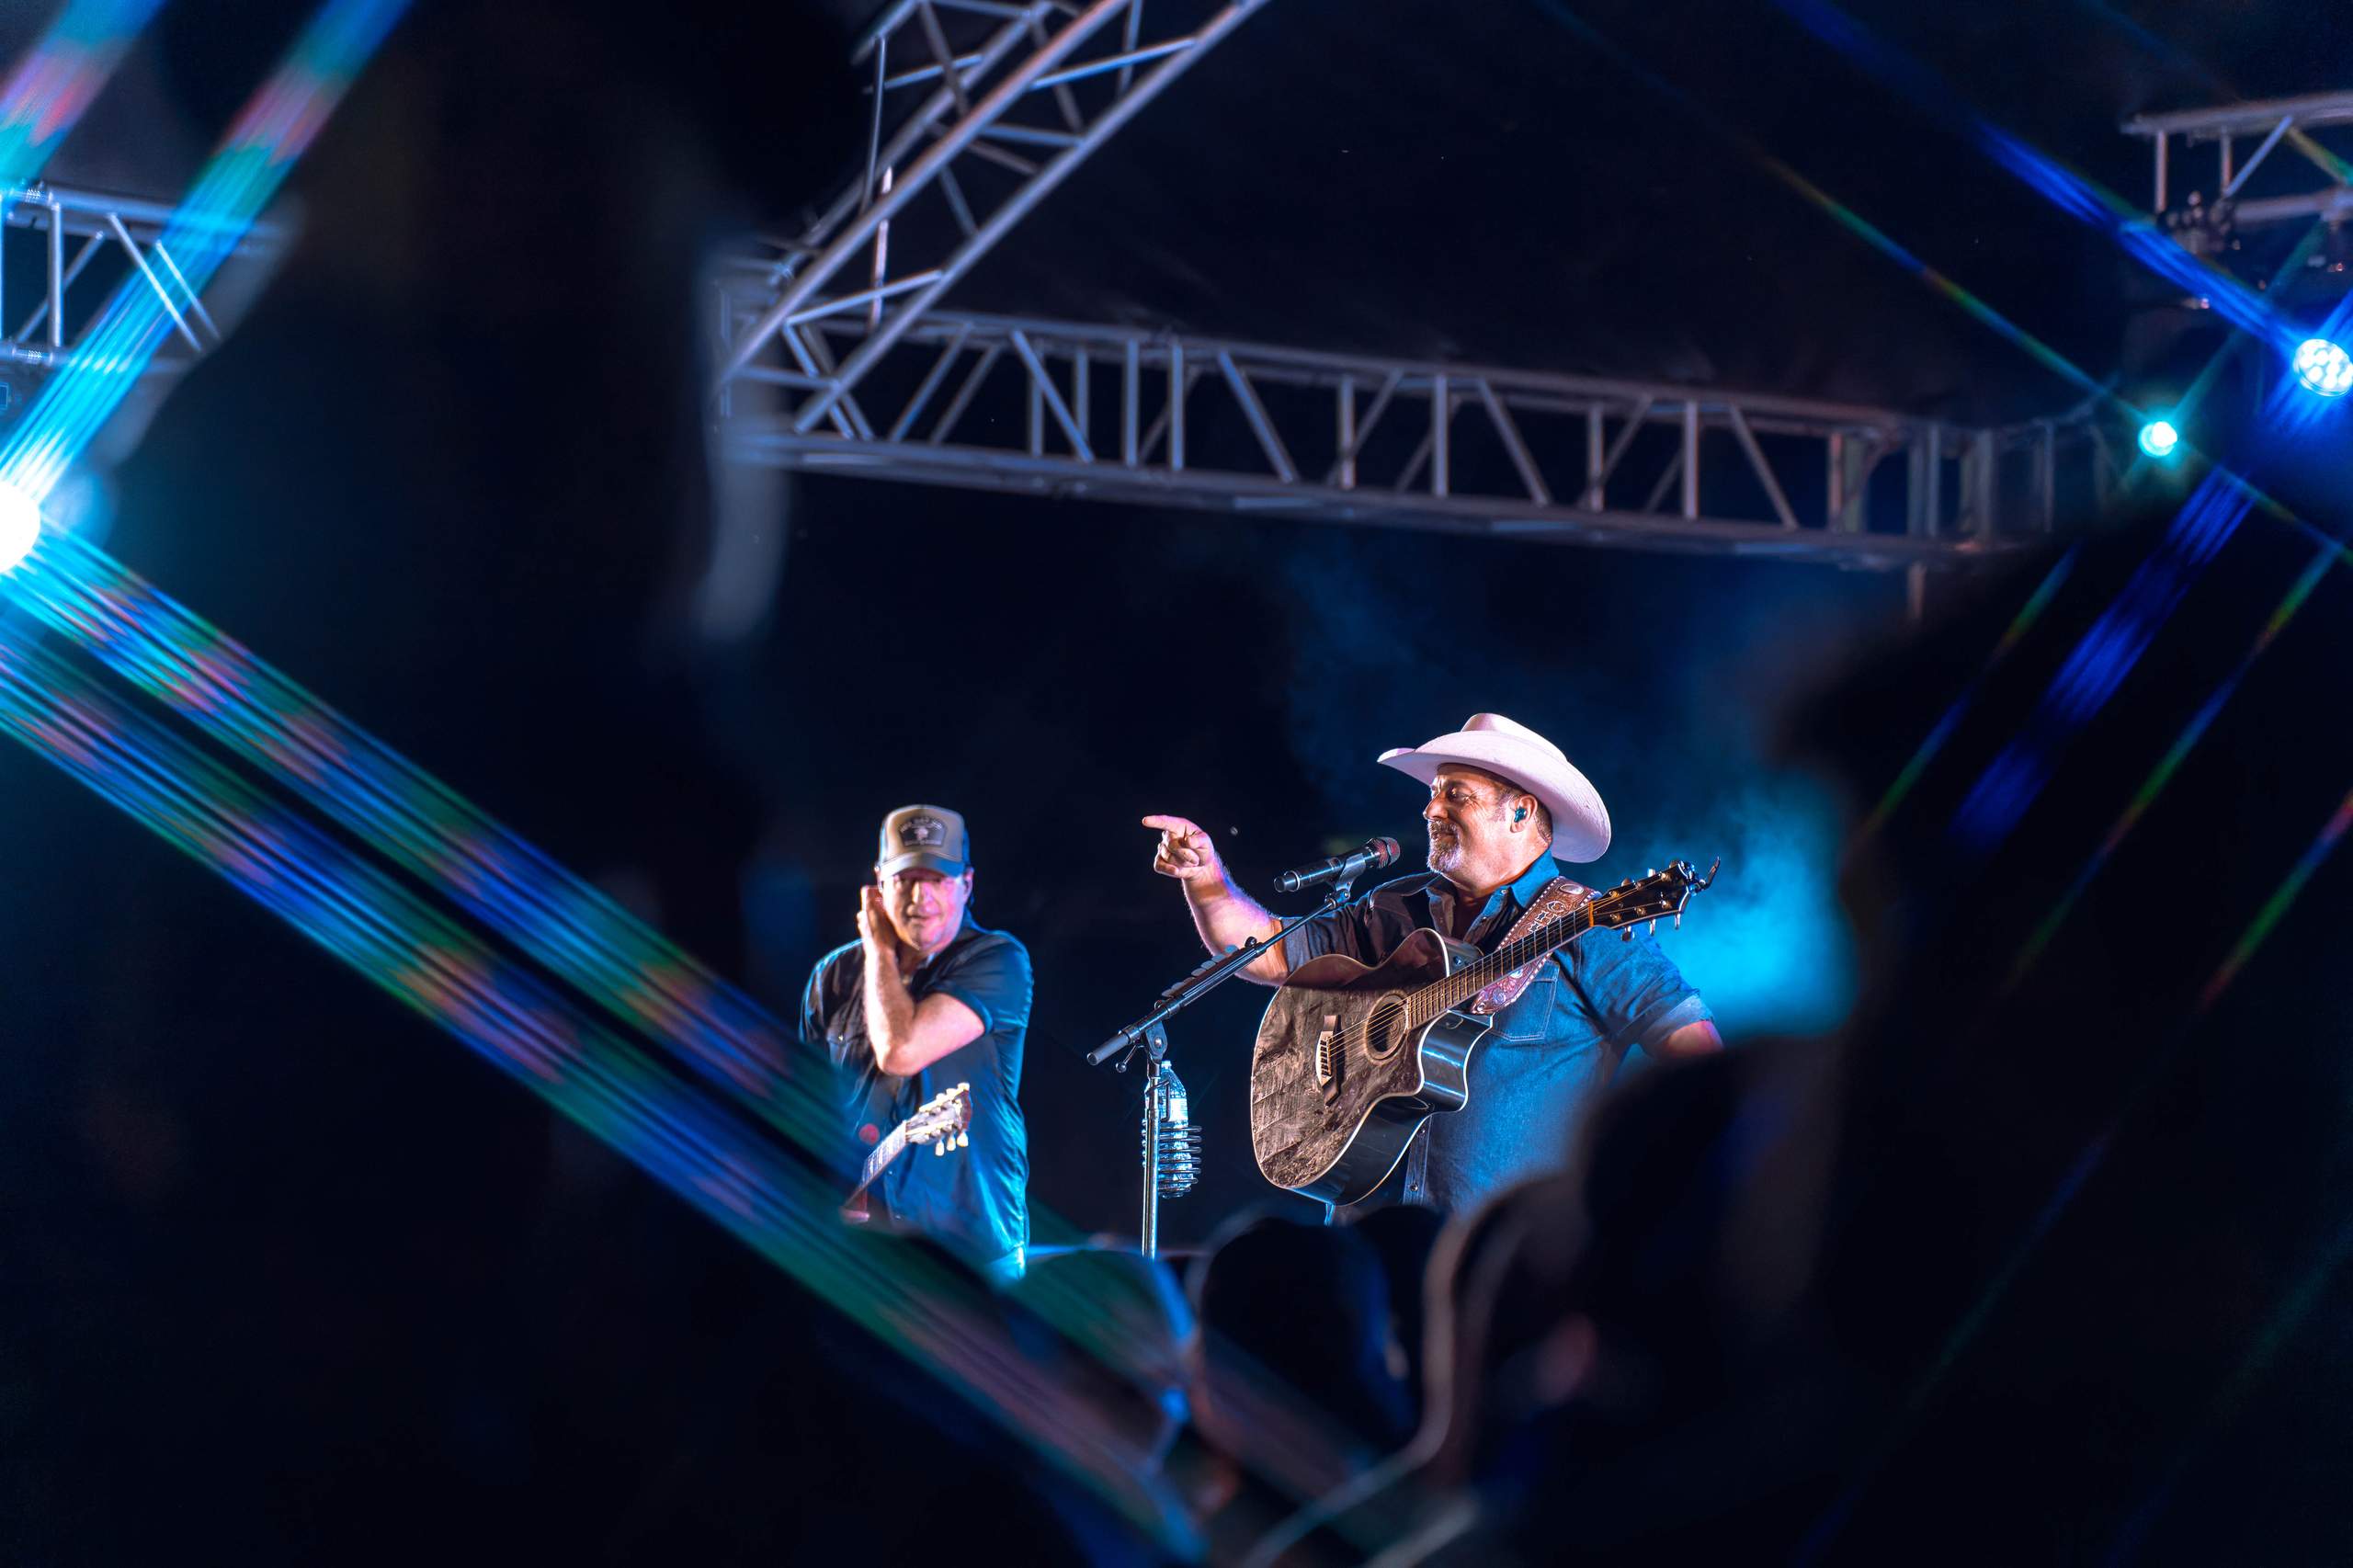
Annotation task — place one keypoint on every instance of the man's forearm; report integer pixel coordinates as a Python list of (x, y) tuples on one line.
[(1227, 917), (890, 1011)]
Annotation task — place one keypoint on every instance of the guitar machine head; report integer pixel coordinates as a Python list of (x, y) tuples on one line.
[(1653, 897), (944, 1121)]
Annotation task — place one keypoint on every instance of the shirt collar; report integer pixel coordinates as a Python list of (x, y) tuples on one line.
[(1522, 890), (1533, 881)]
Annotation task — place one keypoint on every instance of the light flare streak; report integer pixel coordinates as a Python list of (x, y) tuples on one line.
[(2020, 624), (2068, 191), (273, 129), (1974, 305), (351, 910), (2168, 765), (577, 933), (722, 1168), (2276, 907), (2094, 1153), (60, 77), (2102, 658), (2279, 1326), (580, 936)]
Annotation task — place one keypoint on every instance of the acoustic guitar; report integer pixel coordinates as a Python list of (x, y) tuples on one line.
[(1352, 1058)]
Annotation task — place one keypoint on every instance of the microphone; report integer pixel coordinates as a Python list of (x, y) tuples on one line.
[(1376, 853)]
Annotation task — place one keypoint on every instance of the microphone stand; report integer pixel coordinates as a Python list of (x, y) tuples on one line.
[(1149, 1034)]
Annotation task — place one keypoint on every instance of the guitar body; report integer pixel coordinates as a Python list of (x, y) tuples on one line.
[(1340, 1082)]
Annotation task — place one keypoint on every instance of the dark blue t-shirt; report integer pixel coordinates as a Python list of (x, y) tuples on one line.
[(1545, 1055), (976, 1199)]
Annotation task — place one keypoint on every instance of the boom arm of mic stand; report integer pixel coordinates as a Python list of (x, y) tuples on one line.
[(1208, 978)]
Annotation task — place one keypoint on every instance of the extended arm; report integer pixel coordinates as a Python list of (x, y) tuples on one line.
[(1223, 916)]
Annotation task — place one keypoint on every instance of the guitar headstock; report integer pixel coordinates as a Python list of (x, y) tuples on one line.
[(1656, 896), (943, 1120)]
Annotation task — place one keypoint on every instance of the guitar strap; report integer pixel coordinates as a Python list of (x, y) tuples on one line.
[(1557, 897)]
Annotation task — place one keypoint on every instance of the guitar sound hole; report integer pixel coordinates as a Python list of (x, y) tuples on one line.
[(1384, 1027)]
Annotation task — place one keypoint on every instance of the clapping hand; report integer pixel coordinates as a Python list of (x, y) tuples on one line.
[(874, 927)]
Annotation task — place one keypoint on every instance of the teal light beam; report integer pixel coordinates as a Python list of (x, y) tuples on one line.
[(273, 129), (361, 916)]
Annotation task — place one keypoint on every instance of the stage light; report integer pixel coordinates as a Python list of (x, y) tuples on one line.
[(2324, 368), (20, 526), (2158, 438)]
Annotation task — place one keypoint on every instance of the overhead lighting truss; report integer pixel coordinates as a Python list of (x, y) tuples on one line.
[(1109, 413), (979, 109), (86, 244), (2201, 202)]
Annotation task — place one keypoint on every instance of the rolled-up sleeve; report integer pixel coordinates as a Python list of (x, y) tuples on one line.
[(1633, 988), (813, 1012), (1312, 940), (1348, 933), (991, 977)]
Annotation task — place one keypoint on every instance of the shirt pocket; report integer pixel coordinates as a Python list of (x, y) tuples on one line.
[(1530, 1018)]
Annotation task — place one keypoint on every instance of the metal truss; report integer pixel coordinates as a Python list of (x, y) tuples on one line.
[(2207, 213), (88, 245), (995, 105), (1118, 414)]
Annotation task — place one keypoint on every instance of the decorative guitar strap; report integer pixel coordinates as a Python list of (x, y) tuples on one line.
[(1559, 897)]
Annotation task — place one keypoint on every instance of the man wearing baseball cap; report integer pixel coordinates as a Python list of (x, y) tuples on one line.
[(925, 999), (1506, 806)]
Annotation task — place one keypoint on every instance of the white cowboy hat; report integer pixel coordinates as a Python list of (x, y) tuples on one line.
[(1580, 821)]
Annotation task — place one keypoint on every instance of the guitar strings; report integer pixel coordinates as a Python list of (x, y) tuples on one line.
[(1487, 969), (1504, 959)]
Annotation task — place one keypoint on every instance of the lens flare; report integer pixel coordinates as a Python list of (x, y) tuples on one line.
[(710, 1158), (2159, 439), (20, 526), (238, 181)]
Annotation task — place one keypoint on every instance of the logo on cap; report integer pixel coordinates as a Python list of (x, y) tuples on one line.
[(919, 830)]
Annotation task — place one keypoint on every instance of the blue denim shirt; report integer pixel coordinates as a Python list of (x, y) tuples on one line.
[(1546, 1054)]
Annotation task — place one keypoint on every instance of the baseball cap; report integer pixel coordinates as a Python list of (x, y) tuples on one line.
[(931, 836)]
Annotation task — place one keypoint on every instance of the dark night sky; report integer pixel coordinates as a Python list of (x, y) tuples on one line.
[(446, 472)]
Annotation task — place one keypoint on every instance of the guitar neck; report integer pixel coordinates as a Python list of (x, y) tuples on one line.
[(1443, 995), (881, 1155)]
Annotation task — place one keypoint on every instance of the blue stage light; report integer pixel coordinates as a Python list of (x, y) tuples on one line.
[(20, 526), (2158, 438), (2324, 368)]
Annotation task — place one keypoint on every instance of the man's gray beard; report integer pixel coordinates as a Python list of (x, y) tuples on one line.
[(1445, 854)]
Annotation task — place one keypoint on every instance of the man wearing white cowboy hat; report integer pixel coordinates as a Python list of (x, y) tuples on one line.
[(1504, 806)]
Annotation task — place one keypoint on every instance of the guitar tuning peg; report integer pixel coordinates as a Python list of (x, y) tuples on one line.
[(1628, 934), (964, 1088), (964, 1139), (940, 1148), (1679, 921), (1653, 927)]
